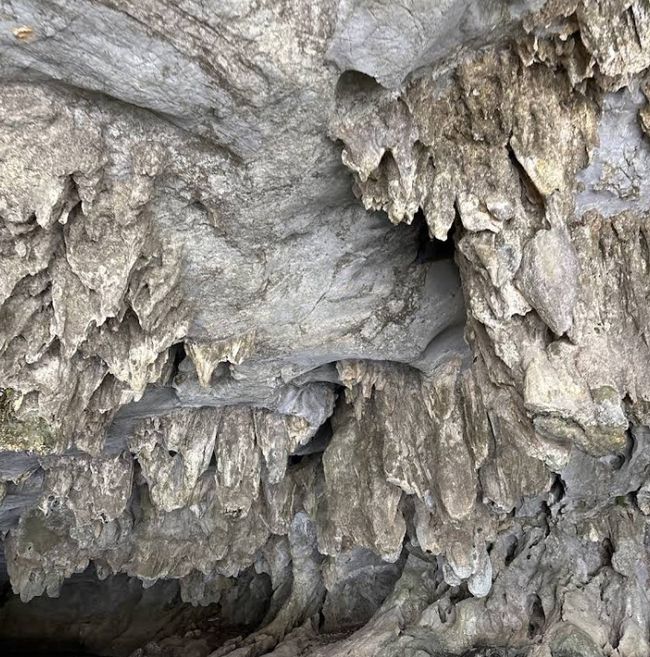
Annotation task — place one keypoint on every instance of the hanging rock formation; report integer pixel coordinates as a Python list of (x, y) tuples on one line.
[(325, 327)]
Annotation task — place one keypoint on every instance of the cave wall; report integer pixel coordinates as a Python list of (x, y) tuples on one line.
[(331, 318)]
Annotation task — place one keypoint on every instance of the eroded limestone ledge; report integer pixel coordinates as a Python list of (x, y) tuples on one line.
[(236, 355)]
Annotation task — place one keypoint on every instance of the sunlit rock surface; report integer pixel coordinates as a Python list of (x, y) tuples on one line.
[(324, 328)]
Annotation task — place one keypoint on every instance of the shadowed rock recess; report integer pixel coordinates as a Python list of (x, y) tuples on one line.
[(325, 328)]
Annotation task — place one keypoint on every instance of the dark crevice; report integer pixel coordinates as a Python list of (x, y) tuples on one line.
[(459, 593), (73, 199), (512, 550), (352, 84), (111, 616), (607, 552), (536, 616), (199, 206), (558, 490), (630, 444), (178, 355), (294, 459), (528, 186), (430, 249)]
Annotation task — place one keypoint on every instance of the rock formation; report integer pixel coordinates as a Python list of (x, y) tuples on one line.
[(325, 327)]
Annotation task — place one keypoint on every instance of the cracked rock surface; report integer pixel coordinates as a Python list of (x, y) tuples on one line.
[(325, 328)]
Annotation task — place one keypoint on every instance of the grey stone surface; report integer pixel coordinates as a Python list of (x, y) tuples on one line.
[(389, 40), (616, 178), (265, 417)]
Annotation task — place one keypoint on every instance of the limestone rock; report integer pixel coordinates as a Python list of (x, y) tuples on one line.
[(324, 327)]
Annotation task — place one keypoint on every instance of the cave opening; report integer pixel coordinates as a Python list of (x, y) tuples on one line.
[(430, 249), (113, 616)]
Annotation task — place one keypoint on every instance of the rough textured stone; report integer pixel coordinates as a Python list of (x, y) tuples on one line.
[(262, 419)]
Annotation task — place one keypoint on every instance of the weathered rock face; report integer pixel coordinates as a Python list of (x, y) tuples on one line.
[(324, 327)]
